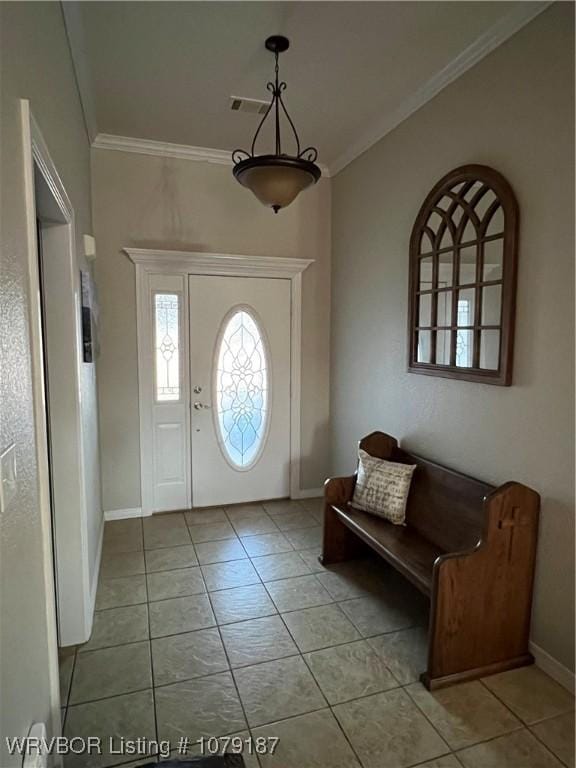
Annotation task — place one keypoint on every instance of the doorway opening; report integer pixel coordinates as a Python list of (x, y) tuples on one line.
[(56, 357), (60, 341), (52, 242)]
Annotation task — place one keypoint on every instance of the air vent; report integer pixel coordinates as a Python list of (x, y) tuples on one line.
[(252, 106)]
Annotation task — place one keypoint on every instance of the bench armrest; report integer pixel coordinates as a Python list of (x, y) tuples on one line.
[(482, 597), (339, 490)]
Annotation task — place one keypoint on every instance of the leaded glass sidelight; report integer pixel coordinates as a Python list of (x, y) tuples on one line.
[(242, 388), (463, 262), (167, 346)]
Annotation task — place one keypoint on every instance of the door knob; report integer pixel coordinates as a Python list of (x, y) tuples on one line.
[(200, 406)]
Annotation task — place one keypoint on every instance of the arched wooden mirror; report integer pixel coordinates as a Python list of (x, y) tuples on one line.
[(463, 262)]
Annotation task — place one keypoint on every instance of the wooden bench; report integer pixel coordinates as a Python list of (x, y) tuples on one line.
[(468, 546)]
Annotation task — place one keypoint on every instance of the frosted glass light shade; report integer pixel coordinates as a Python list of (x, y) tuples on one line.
[(276, 181)]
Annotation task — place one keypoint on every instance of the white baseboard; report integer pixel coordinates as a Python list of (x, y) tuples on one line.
[(122, 514), (310, 493), (553, 667)]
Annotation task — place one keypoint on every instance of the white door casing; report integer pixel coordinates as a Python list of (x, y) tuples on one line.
[(76, 585), (78, 593), (218, 475), (151, 267)]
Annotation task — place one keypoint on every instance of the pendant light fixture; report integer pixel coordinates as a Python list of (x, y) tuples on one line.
[(276, 179)]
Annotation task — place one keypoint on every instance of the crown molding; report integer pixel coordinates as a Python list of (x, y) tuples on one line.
[(202, 263), (162, 149), (167, 149), (503, 29)]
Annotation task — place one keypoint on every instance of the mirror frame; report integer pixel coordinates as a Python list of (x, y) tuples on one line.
[(465, 187)]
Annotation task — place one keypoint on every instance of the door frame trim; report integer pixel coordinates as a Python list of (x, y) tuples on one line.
[(36, 155), (168, 262), (77, 593)]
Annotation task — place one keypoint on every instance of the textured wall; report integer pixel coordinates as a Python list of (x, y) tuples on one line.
[(44, 75), (168, 203), (513, 111)]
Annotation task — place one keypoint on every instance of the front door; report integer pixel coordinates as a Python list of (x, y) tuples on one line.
[(239, 388)]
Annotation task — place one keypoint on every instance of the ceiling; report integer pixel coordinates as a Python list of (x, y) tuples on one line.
[(165, 70)]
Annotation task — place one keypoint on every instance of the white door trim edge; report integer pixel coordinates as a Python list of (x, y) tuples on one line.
[(231, 265)]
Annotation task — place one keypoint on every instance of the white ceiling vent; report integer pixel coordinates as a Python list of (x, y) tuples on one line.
[(252, 106)]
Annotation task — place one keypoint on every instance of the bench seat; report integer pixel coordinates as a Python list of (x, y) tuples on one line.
[(403, 547), (468, 546)]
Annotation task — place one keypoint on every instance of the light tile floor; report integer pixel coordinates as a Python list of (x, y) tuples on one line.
[(222, 622)]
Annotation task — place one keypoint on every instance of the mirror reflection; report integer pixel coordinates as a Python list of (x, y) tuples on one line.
[(493, 260), (489, 349), (491, 304)]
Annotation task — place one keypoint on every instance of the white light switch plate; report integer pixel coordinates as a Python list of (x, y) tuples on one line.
[(8, 476)]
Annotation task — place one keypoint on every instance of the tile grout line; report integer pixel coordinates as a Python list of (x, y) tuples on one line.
[(425, 762), (525, 725), (523, 728), (110, 696), (322, 692), (74, 662), (263, 512), (519, 717), (550, 717), (538, 739), (434, 727), (234, 682), (293, 610), (150, 645)]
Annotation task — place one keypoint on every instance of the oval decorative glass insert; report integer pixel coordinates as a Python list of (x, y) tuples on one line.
[(242, 389)]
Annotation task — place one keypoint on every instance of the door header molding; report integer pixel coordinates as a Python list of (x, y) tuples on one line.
[(201, 263)]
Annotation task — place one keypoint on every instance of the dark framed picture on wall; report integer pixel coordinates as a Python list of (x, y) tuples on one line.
[(89, 318)]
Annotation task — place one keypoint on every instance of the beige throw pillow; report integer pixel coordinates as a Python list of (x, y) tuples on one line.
[(382, 487)]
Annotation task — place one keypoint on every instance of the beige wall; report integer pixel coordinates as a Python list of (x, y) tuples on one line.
[(148, 201), (36, 65), (513, 111)]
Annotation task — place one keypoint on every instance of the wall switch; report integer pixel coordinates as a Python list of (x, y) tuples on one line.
[(8, 476)]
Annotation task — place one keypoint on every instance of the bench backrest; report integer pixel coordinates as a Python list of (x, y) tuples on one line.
[(445, 506)]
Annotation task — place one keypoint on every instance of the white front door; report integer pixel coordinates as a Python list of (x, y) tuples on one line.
[(239, 388)]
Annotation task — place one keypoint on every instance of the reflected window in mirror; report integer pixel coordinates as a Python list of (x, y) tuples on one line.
[(463, 264)]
